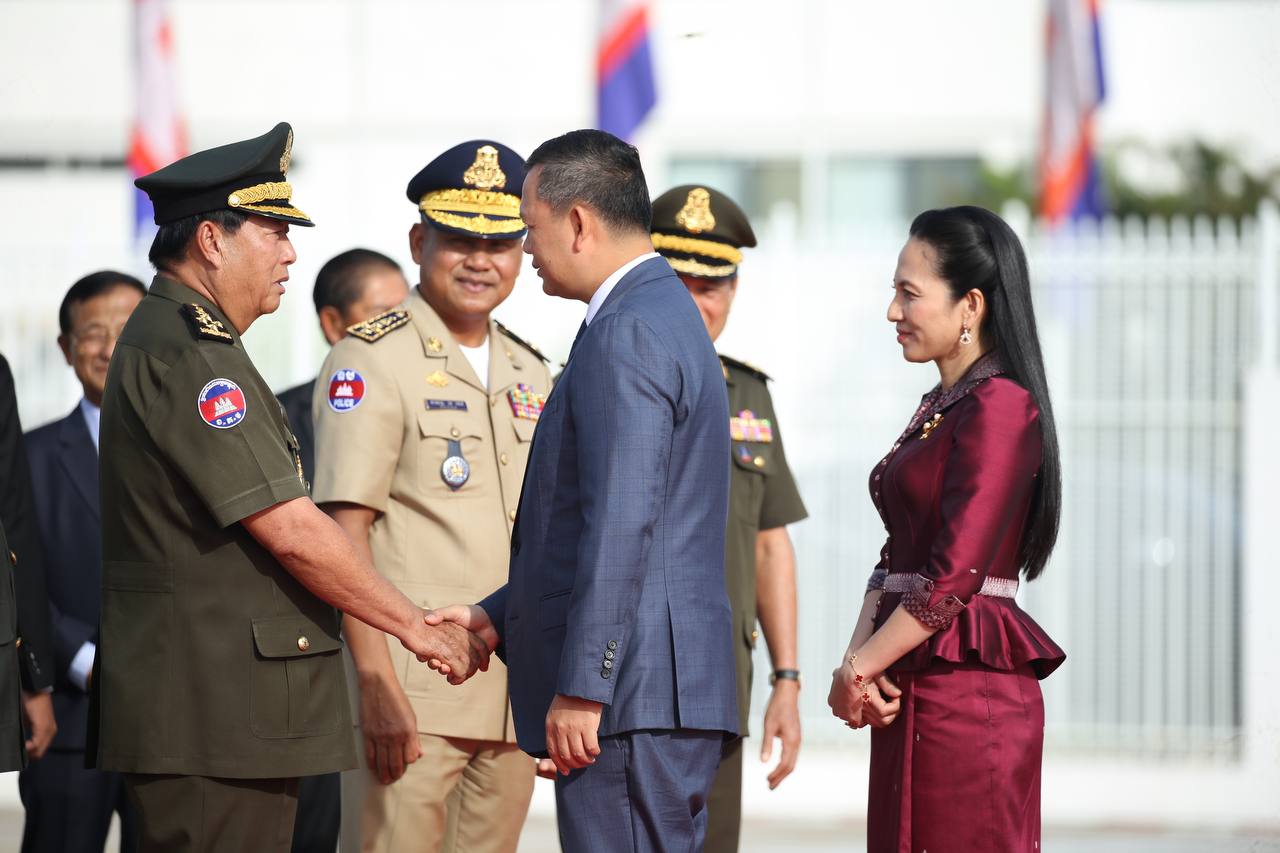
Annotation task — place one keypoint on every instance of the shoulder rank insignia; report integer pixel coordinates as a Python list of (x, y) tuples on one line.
[(727, 362), (525, 402), (521, 341), (745, 426), (205, 325), (375, 327)]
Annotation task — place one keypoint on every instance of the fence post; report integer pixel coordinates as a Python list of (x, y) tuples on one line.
[(1260, 580)]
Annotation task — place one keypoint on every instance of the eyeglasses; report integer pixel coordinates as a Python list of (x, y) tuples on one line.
[(94, 338)]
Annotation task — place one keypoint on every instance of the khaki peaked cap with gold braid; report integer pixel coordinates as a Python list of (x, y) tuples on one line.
[(248, 176), (700, 231), (472, 189)]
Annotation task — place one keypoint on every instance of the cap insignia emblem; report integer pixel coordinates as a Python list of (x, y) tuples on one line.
[(287, 155), (695, 217), (485, 173)]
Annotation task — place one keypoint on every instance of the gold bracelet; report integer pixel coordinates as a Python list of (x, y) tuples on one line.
[(858, 680)]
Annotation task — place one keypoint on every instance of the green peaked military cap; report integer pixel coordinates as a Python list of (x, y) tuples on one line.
[(248, 176), (700, 231)]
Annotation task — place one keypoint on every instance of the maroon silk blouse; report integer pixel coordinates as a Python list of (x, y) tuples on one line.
[(954, 493)]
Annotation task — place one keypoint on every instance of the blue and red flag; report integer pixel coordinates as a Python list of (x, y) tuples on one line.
[(624, 67), (158, 136), (1070, 183)]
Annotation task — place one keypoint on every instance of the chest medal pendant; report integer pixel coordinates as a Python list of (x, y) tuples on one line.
[(456, 470)]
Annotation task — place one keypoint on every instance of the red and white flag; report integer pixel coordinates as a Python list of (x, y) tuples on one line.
[(159, 135)]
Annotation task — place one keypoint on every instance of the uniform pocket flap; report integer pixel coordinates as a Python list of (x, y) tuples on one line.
[(755, 458), (293, 637), (524, 428), (446, 424)]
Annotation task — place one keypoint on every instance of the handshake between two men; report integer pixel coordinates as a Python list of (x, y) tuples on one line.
[(467, 639)]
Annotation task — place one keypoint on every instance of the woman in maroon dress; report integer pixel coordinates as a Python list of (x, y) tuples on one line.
[(943, 664)]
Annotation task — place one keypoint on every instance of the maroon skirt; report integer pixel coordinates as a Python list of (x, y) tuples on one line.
[(959, 769)]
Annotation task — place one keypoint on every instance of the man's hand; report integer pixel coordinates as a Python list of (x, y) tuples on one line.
[(572, 727), (782, 721), (37, 713), (450, 648), (471, 617), (390, 728)]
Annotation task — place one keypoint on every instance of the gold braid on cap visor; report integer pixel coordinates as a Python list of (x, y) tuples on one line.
[(444, 207), (275, 191), (701, 270), (694, 246)]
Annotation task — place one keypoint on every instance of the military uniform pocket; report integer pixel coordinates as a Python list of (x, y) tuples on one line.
[(297, 680)]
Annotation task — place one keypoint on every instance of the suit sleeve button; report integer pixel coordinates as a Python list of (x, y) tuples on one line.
[(613, 644), (608, 664), (608, 655), (604, 673)]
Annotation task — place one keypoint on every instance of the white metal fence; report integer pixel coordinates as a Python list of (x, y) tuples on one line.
[(1148, 328)]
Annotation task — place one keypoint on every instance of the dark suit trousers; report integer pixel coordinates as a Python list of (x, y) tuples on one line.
[(69, 808), (646, 793), (319, 814), (200, 814)]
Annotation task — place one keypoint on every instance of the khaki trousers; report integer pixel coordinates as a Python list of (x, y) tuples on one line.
[(199, 814), (461, 796)]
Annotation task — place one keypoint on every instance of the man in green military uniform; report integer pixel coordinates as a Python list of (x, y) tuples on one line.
[(218, 679), (701, 232)]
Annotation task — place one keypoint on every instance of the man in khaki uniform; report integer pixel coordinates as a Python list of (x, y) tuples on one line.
[(218, 680), (700, 231), (424, 416)]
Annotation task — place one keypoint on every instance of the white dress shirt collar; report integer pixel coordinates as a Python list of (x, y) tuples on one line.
[(92, 417), (602, 292)]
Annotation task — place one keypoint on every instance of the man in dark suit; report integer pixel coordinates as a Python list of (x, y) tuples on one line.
[(26, 653), (350, 288), (614, 622), (68, 807)]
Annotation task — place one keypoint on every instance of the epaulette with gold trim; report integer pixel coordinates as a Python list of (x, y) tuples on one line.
[(205, 325), (742, 365), (376, 327), (521, 341)]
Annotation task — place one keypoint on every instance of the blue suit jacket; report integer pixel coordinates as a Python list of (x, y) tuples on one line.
[(64, 478), (616, 588)]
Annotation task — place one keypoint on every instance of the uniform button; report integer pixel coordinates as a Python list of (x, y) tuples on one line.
[(17, 644), (604, 673), (504, 459), (613, 644), (755, 635), (303, 644), (455, 432), (512, 515), (13, 558), (608, 655), (758, 461)]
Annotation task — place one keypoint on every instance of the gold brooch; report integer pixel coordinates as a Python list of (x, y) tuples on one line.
[(485, 173), (696, 217), (930, 425)]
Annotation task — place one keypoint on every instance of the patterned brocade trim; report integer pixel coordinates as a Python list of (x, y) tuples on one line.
[(916, 591), (876, 581)]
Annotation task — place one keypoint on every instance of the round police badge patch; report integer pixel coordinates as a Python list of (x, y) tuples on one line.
[(346, 390), (221, 404), (456, 471)]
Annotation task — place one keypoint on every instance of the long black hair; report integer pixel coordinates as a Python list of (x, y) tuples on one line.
[(974, 248)]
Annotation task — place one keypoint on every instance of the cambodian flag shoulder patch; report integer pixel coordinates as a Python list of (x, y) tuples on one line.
[(346, 390), (221, 404)]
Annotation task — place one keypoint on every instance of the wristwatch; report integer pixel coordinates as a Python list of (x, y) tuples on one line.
[(784, 674)]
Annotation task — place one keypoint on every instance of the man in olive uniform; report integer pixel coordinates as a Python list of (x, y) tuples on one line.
[(423, 422), (218, 679), (701, 232)]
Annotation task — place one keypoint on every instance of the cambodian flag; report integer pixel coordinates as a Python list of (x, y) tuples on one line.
[(158, 136), (1070, 185), (624, 67)]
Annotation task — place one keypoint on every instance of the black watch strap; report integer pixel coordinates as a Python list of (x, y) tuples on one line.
[(784, 674)]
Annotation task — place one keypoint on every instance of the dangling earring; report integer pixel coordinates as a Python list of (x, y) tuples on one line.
[(965, 337)]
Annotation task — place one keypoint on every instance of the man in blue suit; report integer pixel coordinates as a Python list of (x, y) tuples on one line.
[(614, 622), (69, 808)]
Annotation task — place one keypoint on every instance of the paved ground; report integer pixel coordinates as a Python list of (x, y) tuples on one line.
[(780, 836)]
